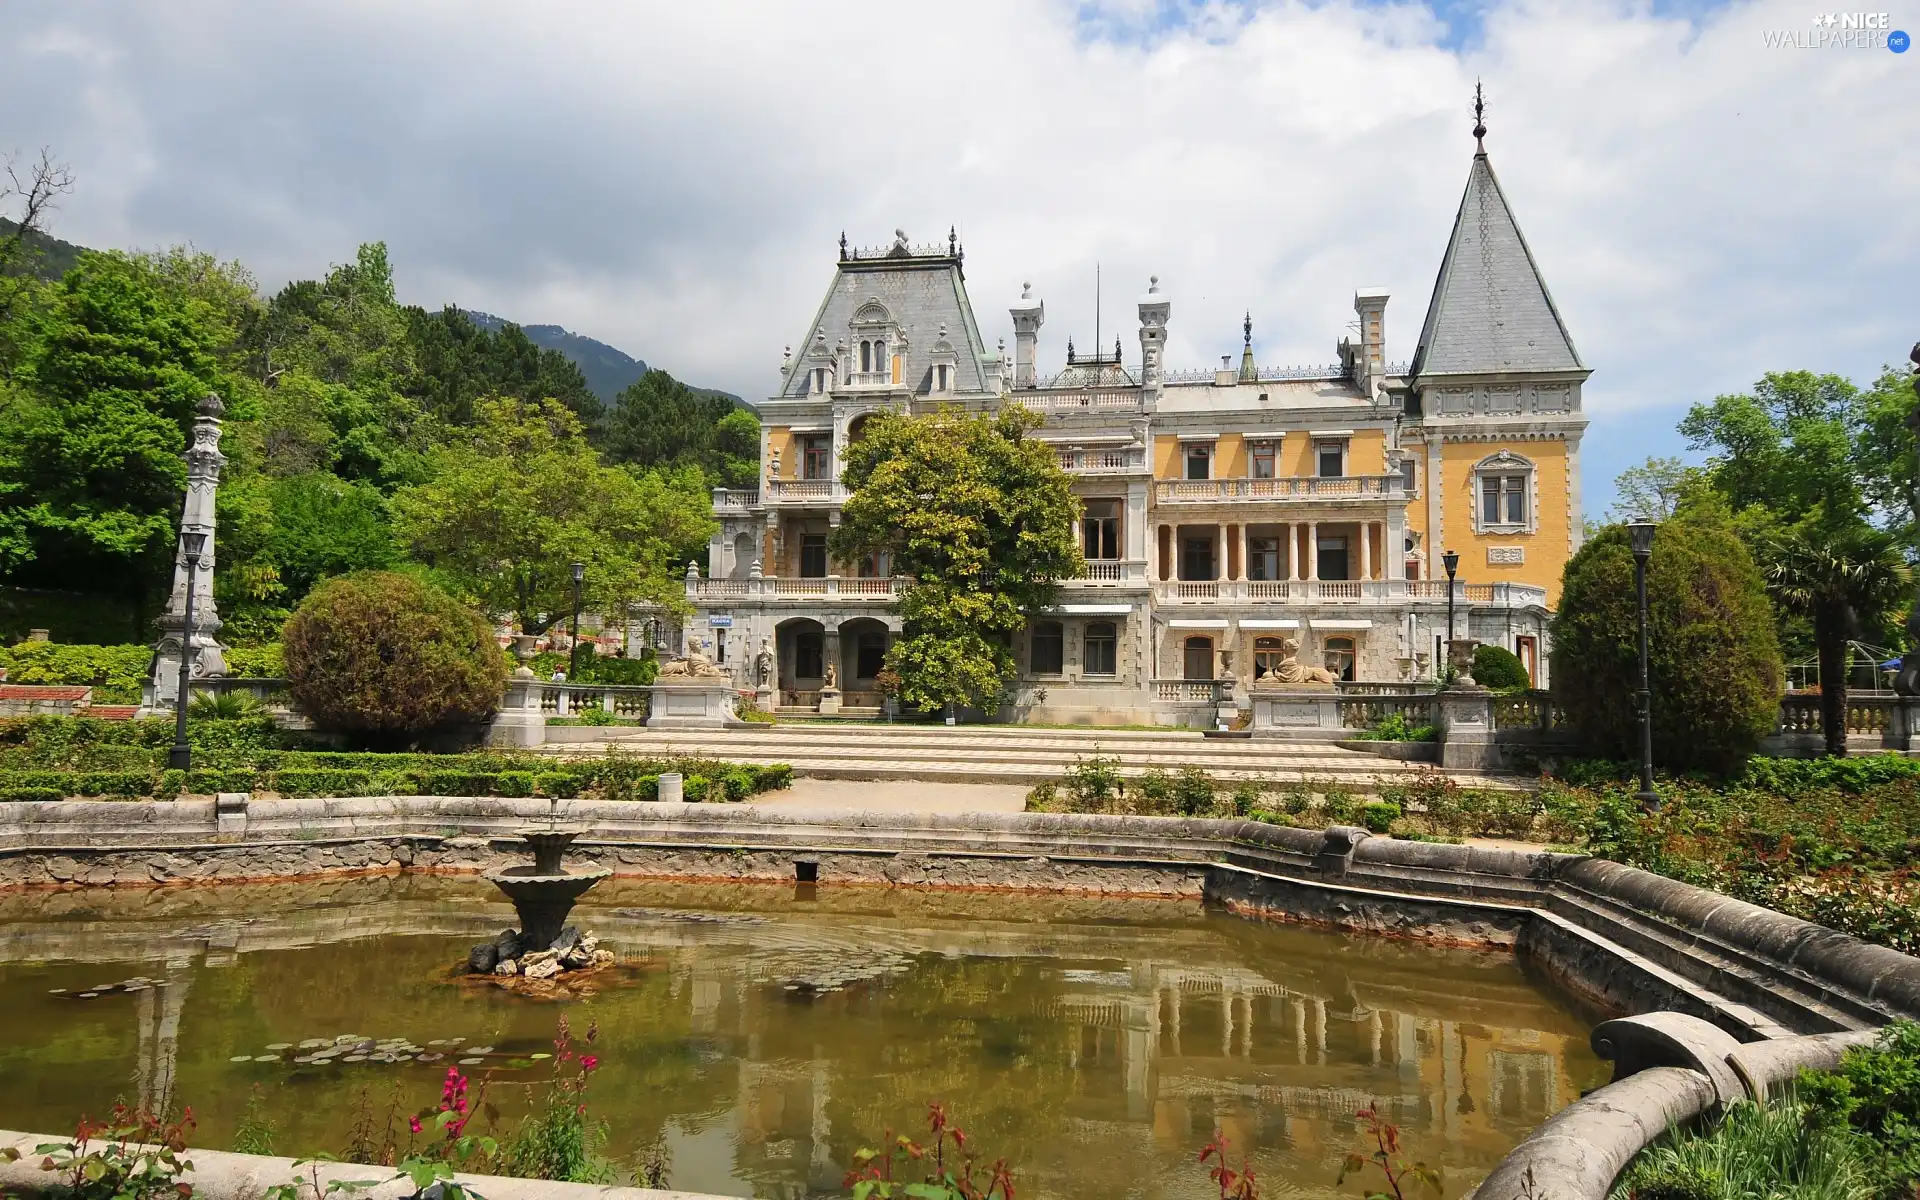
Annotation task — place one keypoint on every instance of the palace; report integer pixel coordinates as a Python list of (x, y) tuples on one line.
[(1224, 510)]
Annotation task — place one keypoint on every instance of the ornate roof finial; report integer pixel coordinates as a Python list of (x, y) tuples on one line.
[(953, 241), (1479, 120), (843, 245), (1153, 284), (1246, 329)]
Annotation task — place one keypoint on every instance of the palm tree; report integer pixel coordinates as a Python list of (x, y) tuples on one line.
[(1836, 581)]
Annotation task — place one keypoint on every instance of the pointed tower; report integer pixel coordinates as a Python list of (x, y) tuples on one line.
[(1495, 384)]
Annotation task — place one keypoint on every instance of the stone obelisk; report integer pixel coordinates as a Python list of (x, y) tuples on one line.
[(204, 656)]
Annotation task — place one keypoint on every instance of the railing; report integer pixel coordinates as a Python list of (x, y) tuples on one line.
[(1305, 487), (786, 588), (269, 694), (1274, 374), (735, 499), (627, 701), (1534, 710), (1103, 462), (1191, 691), (1869, 714), (1363, 709), (1344, 591), (1080, 399), (803, 491)]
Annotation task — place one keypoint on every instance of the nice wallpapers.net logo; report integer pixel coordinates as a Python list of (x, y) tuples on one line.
[(1842, 31)]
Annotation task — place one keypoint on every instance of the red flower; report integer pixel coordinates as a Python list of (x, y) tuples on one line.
[(413, 1124), (588, 1062)]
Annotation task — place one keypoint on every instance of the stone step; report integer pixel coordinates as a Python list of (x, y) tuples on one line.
[(865, 738), (1172, 757)]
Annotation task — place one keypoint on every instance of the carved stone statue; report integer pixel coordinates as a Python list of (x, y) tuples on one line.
[(763, 664), (832, 682), (694, 665), (1290, 672)]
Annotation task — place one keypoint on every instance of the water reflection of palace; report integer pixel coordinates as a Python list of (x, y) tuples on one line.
[(1130, 1030)]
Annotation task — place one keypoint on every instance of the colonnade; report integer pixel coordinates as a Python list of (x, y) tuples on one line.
[(1302, 540)]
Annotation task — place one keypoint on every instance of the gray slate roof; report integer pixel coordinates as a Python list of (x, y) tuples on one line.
[(1491, 310), (922, 293)]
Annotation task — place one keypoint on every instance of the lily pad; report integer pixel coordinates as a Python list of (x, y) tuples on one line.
[(354, 1058), (266, 1058), (279, 1046), (537, 1057), (57, 992), (241, 1058), (479, 1049), (468, 1062), (88, 995)]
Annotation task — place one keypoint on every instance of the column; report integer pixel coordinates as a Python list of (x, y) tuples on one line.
[(1293, 551), (1313, 549), (1244, 573), (1366, 549), (1220, 543), (1393, 544)]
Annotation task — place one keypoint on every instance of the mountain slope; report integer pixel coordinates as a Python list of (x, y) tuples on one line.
[(608, 370), (55, 256)]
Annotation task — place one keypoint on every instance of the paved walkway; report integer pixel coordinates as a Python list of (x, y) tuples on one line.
[(816, 795)]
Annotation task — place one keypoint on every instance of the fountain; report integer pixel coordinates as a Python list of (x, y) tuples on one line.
[(543, 894)]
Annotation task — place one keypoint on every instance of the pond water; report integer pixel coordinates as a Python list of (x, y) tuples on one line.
[(760, 1035)]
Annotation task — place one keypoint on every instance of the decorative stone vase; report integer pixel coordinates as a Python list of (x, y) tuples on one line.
[(1460, 660)]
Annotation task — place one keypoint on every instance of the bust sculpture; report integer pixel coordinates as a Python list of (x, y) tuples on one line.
[(1290, 672)]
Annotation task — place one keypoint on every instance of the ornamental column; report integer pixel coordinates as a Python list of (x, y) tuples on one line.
[(1293, 551), (1366, 549), (1313, 549), (204, 657)]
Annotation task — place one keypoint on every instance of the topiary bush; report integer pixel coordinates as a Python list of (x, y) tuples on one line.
[(1715, 659), (1499, 668), (387, 659)]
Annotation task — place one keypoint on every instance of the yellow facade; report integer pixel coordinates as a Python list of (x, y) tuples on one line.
[(1546, 548), (780, 449)]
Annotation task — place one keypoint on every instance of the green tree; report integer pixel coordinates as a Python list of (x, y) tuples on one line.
[(387, 658), (1652, 491), (460, 363), (1833, 579), (1714, 661), (521, 495), (980, 518), (659, 420)]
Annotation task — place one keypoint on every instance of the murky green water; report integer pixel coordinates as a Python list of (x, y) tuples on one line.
[(1094, 1043)]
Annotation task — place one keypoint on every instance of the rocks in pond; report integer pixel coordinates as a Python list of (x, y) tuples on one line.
[(542, 968), (603, 958), (565, 940), (482, 958), (506, 966)]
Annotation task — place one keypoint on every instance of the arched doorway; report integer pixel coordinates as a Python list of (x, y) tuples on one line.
[(744, 553), (863, 652), (1198, 658), (800, 649)]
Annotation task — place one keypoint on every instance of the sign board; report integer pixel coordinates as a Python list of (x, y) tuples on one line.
[(720, 621)]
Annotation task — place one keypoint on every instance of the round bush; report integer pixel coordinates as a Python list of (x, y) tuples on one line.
[(1714, 658), (386, 658), (1498, 667)]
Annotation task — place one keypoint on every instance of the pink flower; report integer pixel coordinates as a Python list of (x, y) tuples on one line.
[(413, 1124), (588, 1062)]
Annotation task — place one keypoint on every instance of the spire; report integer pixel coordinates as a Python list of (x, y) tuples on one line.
[(843, 245), (1248, 372), (1479, 121), (1491, 310)]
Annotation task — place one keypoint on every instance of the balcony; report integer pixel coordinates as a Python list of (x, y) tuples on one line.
[(1344, 591), (1128, 460), (735, 500), (836, 588), (1311, 488), (1112, 571), (804, 491), (1078, 400)]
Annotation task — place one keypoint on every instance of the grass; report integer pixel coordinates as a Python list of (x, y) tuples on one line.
[(1753, 1153)]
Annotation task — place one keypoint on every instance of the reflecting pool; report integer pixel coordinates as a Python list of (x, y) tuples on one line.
[(761, 1035)]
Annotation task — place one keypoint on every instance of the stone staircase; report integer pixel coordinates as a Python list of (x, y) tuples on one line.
[(1005, 754)]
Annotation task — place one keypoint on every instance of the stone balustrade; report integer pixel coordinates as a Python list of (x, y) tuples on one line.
[(1291, 488), (826, 587), (1344, 591)]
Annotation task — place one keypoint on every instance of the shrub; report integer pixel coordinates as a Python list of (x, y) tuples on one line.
[(1715, 658), (1246, 798), (1192, 792), (1379, 815), (1395, 727), (257, 662), (115, 673), (1341, 806), (1155, 789), (1499, 668), (1755, 1150), (387, 658), (1041, 797), (222, 706), (1873, 1097), (1094, 780)]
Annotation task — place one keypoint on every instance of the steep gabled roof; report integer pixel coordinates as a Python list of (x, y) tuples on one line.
[(920, 293), (1491, 310)]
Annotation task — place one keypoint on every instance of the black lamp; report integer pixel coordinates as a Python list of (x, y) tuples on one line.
[(1450, 560), (573, 651), (1640, 539)]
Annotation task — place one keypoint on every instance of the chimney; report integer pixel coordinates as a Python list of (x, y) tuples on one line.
[(1370, 362), (1028, 316)]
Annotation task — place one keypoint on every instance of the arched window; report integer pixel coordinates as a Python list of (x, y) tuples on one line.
[(1266, 655), (1049, 648), (1503, 494), (1338, 657), (866, 356), (1199, 658), (1102, 641)]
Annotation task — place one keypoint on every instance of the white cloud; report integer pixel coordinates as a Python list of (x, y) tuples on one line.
[(672, 178)]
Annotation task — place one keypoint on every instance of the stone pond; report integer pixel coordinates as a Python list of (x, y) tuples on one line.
[(762, 1033)]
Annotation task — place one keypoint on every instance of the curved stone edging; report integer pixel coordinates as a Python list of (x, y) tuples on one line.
[(223, 1175)]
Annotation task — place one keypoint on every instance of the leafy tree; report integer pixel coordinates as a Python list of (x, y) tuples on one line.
[(522, 495), (1833, 580), (1652, 491), (459, 363), (1714, 662), (658, 420), (981, 518), (388, 658)]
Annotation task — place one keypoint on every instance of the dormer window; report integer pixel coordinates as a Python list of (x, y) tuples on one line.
[(819, 381), (942, 377), (873, 356)]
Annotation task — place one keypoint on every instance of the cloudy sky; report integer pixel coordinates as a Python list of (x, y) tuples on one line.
[(672, 178)]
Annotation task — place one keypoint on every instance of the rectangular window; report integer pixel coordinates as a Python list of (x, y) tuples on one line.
[(1503, 499), (808, 654), (873, 566), (1199, 460), (870, 654), (940, 377), (1263, 558), (1408, 474), (1260, 466), (813, 556), (816, 456), (1100, 530), (1196, 558), (1101, 644), (1330, 459), (1528, 651), (1333, 558), (1049, 648)]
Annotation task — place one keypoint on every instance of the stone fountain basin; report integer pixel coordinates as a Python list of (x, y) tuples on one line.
[(530, 883)]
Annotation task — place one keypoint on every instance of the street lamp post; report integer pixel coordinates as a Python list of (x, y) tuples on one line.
[(573, 650), (1450, 560), (193, 543), (1640, 535)]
